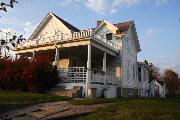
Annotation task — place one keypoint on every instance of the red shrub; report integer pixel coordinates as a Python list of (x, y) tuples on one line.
[(37, 75)]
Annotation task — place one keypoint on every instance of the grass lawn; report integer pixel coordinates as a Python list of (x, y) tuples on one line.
[(11, 97), (137, 109), (93, 101), (10, 100)]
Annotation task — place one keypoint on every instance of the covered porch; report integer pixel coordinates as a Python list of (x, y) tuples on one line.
[(85, 60), (88, 66)]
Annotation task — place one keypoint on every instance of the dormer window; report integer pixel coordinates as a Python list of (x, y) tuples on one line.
[(109, 36)]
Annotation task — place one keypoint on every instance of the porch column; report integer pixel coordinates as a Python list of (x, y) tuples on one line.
[(56, 57), (88, 78), (33, 54), (104, 62), (104, 68), (16, 56)]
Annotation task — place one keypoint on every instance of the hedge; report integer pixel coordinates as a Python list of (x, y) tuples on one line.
[(32, 75)]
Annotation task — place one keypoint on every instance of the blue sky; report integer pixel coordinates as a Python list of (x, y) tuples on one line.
[(157, 22)]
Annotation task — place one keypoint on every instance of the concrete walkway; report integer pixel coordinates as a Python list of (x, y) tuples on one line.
[(49, 111)]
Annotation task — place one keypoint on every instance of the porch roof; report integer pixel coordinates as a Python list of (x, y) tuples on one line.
[(69, 43), (75, 39)]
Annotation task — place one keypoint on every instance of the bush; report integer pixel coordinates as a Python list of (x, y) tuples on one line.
[(37, 75)]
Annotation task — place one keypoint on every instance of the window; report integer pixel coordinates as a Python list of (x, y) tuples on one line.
[(139, 73), (128, 71), (58, 32), (133, 71), (109, 36), (129, 45)]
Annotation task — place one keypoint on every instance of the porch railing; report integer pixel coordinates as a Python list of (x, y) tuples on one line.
[(72, 75), (78, 75), (55, 39), (103, 40), (66, 37)]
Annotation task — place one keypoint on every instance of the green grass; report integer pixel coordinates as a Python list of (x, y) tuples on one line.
[(138, 109), (12, 97), (93, 101)]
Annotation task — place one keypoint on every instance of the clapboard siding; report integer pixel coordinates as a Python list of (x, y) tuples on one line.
[(52, 25), (129, 60), (113, 64)]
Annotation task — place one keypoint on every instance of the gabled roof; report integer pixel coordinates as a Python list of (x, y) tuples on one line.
[(160, 82), (104, 22), (48, 16), (68, 25), (123, 27)]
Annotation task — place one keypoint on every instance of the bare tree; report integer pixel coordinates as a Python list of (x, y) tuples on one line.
[(8, 41), (4, 5)]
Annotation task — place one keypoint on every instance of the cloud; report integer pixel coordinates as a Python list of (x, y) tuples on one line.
[(69, 2), (107, 6), (119, 3), (173, 66), (102, 6), (28, 28), (113, 11), (152, 31), (160, 2), (99, 6)]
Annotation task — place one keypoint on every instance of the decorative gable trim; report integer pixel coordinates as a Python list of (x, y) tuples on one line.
[(103, 23), (40, 26), (46, 19)]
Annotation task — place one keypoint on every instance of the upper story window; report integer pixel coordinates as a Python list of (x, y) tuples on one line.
[(58, 32), (134, 72), (129, 45), (109, 36)]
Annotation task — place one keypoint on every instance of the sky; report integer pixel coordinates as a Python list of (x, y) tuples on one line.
[(157, 22)]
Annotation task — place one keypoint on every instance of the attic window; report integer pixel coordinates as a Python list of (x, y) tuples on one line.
[(109, 36), (57, 32)]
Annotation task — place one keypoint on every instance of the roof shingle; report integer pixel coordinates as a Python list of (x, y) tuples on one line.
[(123, 27), (68, 25)]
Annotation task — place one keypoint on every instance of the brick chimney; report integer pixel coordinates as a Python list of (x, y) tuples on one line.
[(98, 23)]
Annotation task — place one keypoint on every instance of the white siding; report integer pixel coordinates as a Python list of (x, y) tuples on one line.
[(144, 83), (129, 60), (113, 66), (52, 25), (154, 87)]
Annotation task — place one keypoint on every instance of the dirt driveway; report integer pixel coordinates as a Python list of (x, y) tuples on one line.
[(49, 111)]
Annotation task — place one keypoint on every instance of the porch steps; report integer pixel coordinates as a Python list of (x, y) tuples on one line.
[(75, 92)]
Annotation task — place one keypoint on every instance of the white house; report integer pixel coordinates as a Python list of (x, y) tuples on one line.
[(157, 88), (143, 75), (100, 60)]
